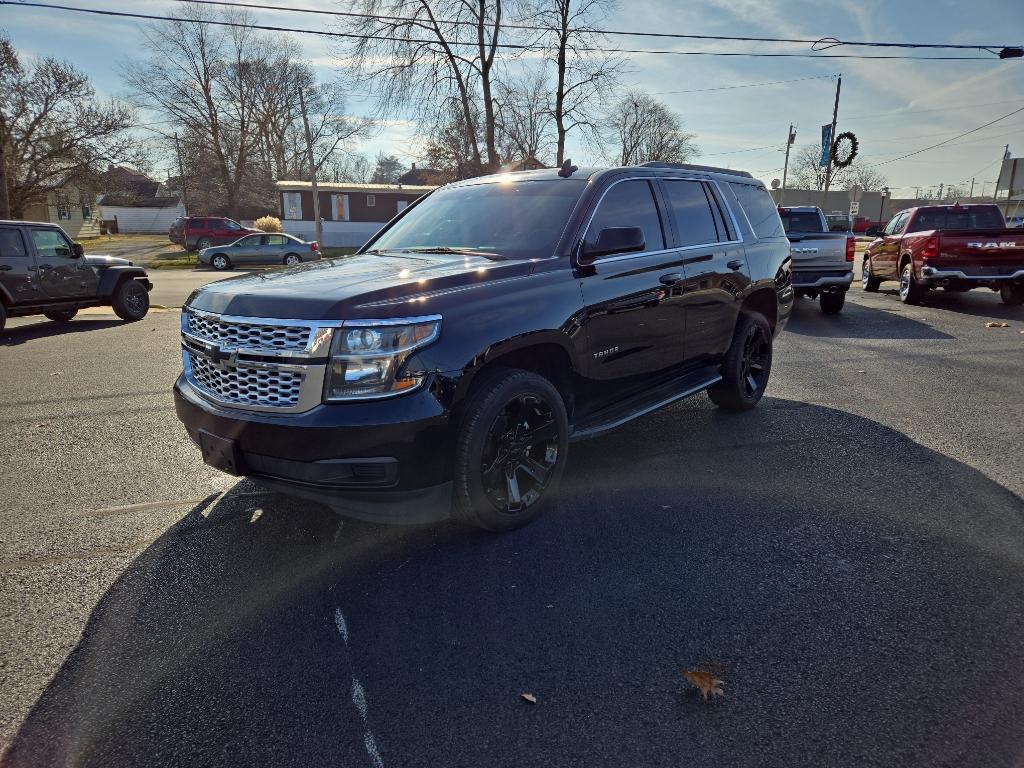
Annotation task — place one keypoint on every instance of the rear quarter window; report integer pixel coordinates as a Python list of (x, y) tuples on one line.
[(12, 244), (760, 209)]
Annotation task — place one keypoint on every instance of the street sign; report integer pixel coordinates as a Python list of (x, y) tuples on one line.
[(856, 192), (826, 144), (854, 207), (776, 183)]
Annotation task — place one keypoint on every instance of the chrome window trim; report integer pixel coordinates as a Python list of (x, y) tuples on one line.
[(639, 254)]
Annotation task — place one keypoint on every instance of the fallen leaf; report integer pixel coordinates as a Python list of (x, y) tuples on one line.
[(997, 325), (705, 682), (56, 373), (529, 697)]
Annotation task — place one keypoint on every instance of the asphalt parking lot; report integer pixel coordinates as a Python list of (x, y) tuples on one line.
[(851, 552)]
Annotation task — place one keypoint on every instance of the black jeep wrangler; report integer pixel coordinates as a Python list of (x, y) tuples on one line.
[(448, 365), (43, 273)]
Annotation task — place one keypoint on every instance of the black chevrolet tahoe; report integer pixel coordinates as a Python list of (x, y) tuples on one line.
[(43, 273), (446, 367)]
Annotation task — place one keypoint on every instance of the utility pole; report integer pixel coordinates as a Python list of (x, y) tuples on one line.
[(790, 138), (5, 200), (941, 185), (972, 189), (832, 144), (312, 173), (181, 174)]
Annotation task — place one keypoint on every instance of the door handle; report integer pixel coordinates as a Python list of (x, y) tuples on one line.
[(672, 278), (5, 267), (734, 264), (46, 266)]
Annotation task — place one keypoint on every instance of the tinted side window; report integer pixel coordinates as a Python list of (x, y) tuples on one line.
[(197, 224), (12, 244), (629, 204), (695, 223), (760, 210)]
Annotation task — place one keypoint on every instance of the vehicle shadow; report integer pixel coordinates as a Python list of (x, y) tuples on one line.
[(977, 303), (11, 337), (847, 617), (857, 321)]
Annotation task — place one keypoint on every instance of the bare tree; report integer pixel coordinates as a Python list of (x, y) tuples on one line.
[(586, 72), (525, 124), (806, 172), (867, 177), (354, 168), (451, 145), (641, 128), (54, 131), (418, 55)]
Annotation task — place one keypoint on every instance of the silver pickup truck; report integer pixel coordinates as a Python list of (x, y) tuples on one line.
[(822, 260)]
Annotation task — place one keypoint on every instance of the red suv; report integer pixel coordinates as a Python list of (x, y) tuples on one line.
[(198, 232)]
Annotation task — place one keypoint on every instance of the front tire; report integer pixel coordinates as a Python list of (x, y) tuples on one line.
[(61, 317), (220, 262), (512, 449), (748, 363), (131, 301), (832, 303), (911, 291), (1012, 295), (867, 279)]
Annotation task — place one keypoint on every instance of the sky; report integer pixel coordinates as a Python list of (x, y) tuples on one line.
[(893, 106)]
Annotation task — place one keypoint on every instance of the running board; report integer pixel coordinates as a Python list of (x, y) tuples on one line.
[(648, 402)]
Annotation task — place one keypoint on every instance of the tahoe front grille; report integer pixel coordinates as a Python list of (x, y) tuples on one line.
[(242, 335), (241, 384)]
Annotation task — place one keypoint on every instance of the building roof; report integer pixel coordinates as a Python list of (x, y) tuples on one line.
[(305, 186)]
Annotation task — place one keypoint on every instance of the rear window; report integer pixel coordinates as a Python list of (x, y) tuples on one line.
[(800, 221), (695, 223), (760, 210), (956, 218)]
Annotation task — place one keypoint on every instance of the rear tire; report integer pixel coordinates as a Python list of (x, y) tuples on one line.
[(3, 316), (868, 280), (911, 292), (747, 366), (291, 259), (203, 242), (220, 262), (832, 303), (130, 301), (1012, 295), (61, 317), (511, 450)]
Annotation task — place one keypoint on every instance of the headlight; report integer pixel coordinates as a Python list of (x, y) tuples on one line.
[(366, 356)]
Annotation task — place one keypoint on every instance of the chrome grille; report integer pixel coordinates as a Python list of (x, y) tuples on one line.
[(240, 335), (247, 385)]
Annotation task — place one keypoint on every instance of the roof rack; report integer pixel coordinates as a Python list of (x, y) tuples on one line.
[(688, 167)]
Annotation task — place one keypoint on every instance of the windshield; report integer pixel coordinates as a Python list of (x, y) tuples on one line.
[(514, 219), (957, 218), (800, 221)]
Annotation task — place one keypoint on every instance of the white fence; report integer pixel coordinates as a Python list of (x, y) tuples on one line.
[(142, 220), (337, 234)]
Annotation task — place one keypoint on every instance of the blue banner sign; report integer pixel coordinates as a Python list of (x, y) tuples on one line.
[(826, 144)]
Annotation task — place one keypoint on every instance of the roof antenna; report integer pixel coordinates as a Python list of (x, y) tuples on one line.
[(567, 169)]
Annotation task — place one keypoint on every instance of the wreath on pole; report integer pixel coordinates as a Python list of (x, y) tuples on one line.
[(844, 149)]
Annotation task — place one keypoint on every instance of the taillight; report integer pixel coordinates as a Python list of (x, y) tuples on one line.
[(931, 248), (851, 248), (314, 247)]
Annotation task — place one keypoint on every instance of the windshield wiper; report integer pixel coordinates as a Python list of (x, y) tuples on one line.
[(455, 251)]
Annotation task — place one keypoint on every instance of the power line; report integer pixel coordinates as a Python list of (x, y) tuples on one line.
[(827, 41), (511, 46), (948, 141), (746, 85)]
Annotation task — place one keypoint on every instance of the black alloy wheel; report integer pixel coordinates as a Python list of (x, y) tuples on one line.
[(747, 365), (131, 301), (511, 450), (1012, 295), (62, 316), (756, 357)]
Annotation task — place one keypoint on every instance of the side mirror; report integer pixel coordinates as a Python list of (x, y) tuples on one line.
[(77, 251), (612, 240), (873, 232)]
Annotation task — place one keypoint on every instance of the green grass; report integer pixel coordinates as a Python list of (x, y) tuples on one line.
[(176, 259)]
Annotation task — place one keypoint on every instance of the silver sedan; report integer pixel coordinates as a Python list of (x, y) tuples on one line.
[(271, 248)]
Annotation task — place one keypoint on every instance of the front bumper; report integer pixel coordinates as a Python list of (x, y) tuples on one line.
[(387, 460), (930, 275), (811, 279)]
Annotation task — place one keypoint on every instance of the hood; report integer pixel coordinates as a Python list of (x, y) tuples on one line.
[(106, 261), (367, 286)]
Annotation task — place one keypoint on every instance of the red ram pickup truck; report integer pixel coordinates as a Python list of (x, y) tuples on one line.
[(955, 247)]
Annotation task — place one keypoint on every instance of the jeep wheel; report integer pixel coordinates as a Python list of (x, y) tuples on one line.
[(220, 262), (1012, 295), (747, 365), (130, 300), (3, 316), (61, 317), (911, 292), (832, 303), (203, 242), (292, 259), (511, 450), (868, 280)]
